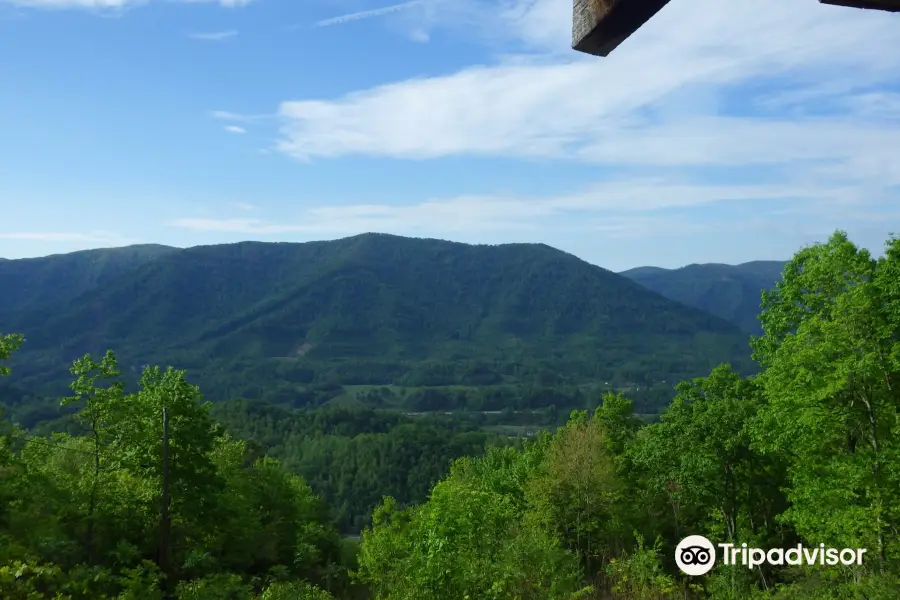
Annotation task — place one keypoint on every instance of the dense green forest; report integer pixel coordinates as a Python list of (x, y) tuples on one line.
[(728, 291), (312, 323), (802, 451)]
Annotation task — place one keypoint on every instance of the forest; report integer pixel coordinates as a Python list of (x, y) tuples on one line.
[(300, 324), (804, 450)]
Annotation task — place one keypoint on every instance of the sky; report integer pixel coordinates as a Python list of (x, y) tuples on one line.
[(719, 132)]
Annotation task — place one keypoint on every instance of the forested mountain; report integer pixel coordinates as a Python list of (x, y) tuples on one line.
[(146, 497), (30, 283), (728, 291), (258, 319)]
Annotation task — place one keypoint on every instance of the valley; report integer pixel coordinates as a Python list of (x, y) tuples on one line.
[(468, 345)]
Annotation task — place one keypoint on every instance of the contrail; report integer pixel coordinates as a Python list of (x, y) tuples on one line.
[(368, 14), (214, 36)]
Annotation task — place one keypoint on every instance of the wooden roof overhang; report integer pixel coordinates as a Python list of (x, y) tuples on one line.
[(599, 26)]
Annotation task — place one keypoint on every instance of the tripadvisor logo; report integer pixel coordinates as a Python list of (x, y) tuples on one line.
[(695, 555)]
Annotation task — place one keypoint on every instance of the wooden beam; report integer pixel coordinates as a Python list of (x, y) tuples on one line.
[(599, 26), (888, 5)]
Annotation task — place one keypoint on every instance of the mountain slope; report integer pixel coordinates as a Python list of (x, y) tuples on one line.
[(372, 308), (36, 282), (728, 291)]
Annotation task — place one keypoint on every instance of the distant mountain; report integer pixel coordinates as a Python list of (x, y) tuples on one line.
[(369, 309), (30, 283), (732, 292)]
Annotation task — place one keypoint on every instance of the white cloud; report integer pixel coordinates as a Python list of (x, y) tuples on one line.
[(369, 14), (93, 4), (699, 86), (246, 206), (227, 116), (109, 5), (419, 35), (621, 207), (95, 237), (213, 36), (224, 115), (416, 19), (234, 129), (226, 3)]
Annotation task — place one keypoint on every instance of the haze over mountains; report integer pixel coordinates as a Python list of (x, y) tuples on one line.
[(375, 309), (728, 291)]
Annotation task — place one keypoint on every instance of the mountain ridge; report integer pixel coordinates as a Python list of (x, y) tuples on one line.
[(386, 304), (732, 292)]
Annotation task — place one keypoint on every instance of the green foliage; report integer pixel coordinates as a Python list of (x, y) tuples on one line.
[(353, 457), (463, 543), (640, 574), (728, 291), (294, 591), (40, 282), (9, 343), (805, 452), (831, 375), (219, 586), (80, 515)]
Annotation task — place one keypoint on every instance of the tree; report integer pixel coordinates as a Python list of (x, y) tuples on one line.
[(576, 492), (99, 415), (697, 460), (830, 352), (467, 541), (9, 343)]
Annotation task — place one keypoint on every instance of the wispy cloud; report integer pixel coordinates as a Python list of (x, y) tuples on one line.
[(369, 14), (673, 94), (112, 6), (234, 129), (94, 237), (615, 206), (780, 88), (213, 36), (224, 115), (245, 206), (226, 3)]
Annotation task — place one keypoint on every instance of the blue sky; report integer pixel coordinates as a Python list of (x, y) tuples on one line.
[(712, 135)]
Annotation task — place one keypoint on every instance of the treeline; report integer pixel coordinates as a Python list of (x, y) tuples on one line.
[(807, 452), (519, 382), (649, 399), (352, 458), (30, 410), (81, 515)]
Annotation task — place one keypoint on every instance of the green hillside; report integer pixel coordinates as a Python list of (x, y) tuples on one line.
[(729, 291), (39, 282), (257, 319)]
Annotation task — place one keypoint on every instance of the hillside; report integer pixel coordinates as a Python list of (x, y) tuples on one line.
[(38, 282), (251, 318), (728, 291)]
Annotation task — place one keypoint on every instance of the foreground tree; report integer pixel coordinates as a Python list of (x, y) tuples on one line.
[(470, 540), (80, 514), (831, 375)]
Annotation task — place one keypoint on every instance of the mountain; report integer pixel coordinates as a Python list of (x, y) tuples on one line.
[(371, 309), (38, 282), (732, 292)]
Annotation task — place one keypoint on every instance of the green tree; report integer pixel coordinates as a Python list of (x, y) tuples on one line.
[(464, 542), (576, 493), (98, 415), (9, 343), (829, 352)]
